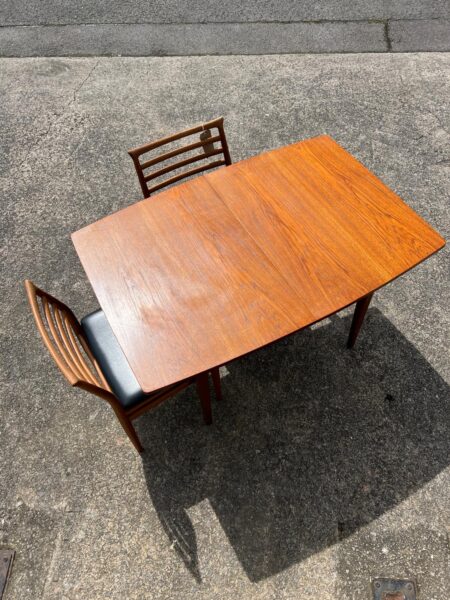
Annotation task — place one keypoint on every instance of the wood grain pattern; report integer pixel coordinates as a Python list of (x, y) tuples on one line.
[(221, 265)]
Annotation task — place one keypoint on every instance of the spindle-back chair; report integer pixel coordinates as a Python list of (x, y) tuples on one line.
[(65, 340)]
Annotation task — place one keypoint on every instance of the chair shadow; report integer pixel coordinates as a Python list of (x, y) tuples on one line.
[(311, 442)]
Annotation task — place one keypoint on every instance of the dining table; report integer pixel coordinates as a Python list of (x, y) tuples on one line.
[(223, 264)]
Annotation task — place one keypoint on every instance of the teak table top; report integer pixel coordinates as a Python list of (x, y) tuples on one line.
[(223, 264)]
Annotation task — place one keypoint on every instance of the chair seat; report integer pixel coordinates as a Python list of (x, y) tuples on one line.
[(111, 359)]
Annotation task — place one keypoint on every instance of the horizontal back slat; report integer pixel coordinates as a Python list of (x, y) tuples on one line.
[(182, 163), (177, 151), (213, 165), (216, 123)]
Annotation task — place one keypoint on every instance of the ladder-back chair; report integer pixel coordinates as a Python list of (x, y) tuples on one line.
[(209, 145)]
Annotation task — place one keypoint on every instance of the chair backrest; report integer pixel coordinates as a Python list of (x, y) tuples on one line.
[(64, 338), (210, 145)]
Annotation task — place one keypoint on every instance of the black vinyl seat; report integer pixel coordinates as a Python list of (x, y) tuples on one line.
[(105, 347)]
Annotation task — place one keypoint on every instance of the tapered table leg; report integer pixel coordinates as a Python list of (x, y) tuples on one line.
[(202, 382), (358, 317)]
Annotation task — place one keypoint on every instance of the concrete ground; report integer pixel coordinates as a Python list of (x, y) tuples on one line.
[(324, 467)]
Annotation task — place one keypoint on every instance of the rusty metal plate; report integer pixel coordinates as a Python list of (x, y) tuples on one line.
[(393, 589), (6, 560)]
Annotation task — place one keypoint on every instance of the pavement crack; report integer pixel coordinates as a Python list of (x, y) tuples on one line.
[(88, 76)]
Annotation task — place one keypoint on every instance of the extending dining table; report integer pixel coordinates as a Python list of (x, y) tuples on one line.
[(226, 263)]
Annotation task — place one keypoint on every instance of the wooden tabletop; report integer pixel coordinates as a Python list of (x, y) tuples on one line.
[(223, 264)]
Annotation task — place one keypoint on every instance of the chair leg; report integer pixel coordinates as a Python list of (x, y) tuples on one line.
[(215, 374), (130, 431), (202, 382)]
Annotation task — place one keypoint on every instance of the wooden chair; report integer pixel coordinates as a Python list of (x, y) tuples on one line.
[(90, 358), (206, 144)]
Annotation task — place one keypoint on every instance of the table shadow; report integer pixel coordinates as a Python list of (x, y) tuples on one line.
[(311, 442)]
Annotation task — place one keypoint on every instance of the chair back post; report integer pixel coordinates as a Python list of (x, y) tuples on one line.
[(226, 151), (104, 395), (140, 174), (205, 145)]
